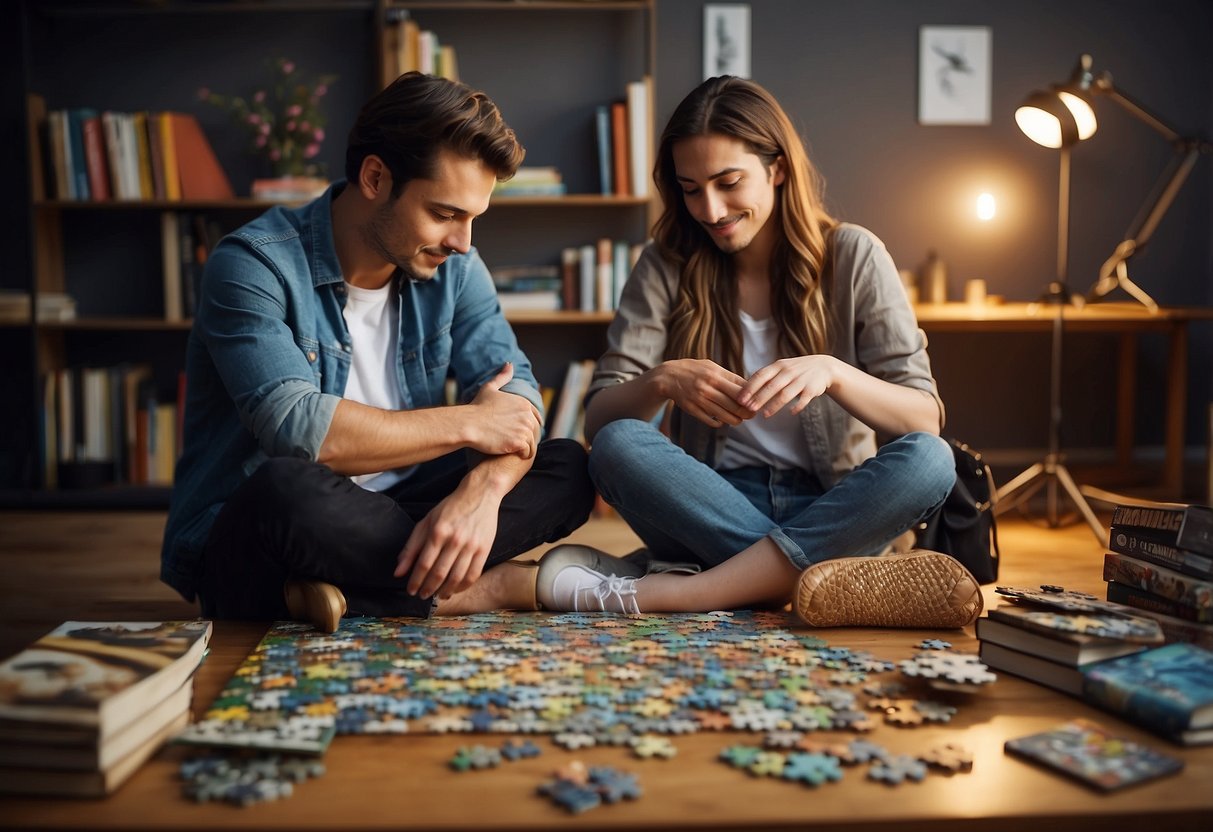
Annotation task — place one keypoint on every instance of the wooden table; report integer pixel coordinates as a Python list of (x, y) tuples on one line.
[(403, 781), (1128, 320)]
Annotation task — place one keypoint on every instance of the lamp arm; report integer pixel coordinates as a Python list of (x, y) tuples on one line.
[(1103, 85)]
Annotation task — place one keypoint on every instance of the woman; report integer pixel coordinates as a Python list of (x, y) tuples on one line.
[(784, 344)]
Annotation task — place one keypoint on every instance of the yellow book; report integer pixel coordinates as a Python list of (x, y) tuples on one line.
[(147, 189), (168, 157)]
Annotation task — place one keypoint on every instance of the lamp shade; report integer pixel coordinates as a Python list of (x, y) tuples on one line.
[(1058, 117)]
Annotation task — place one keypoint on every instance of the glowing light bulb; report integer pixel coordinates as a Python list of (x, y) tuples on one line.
[(985, 206)]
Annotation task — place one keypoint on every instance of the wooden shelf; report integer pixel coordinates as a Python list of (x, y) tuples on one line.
[(117, 324), (59, 8), (529, 316), (523, 5), (248, 204)]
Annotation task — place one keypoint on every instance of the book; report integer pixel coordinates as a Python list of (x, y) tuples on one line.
[(1089, 753), (1158, 580), (1148, 602), (1063, 677), (171, 265), (619, 147), (602, 140), (78, 166), (1187, 526), (84, 749), (97, 783), (1155, 548), (168, 157), (1005, 629), (95, 161), (639, 101), (201, 175), (1168, 690), (587, 266), (1177, 629), (99, 674)]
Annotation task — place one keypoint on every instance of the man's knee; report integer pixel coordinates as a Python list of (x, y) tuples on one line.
[(934, 464)]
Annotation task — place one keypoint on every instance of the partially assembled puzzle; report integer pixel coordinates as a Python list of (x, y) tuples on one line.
[(586, 679)]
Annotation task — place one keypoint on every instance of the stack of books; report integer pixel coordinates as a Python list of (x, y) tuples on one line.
[(1161, 563), (1019, 640), (86, 705), (1105, 654)]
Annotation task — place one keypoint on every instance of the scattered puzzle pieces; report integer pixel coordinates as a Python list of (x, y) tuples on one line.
[(948, 757)]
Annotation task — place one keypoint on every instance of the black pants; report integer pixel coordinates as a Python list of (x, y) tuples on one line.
[(295, 519)]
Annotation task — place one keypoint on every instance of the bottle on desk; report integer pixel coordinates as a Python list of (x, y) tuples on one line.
[(933, 279)]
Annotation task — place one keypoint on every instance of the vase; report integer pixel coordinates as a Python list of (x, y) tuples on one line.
[(289, 188)]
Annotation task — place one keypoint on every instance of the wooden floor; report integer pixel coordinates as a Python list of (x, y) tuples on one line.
[(101, 566)]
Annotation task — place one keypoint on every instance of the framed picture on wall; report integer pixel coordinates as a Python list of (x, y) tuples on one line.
[(954, 75), (726, 40)]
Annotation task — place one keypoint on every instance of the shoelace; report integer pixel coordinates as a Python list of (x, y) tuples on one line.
[(614, 588)]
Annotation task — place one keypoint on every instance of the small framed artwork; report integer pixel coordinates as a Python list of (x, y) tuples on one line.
[(726, 40), (954, 75)]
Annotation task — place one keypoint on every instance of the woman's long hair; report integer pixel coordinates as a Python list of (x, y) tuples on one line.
[(704, 316)]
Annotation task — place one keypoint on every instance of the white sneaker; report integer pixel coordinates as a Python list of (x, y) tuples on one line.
[(578, 589)]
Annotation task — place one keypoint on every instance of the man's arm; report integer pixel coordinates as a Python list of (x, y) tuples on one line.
[(363, 439)]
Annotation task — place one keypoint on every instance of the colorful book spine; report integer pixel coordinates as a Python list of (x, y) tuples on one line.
[(602, 136), (1149, 602), (1155, 549), (1163, 582), (1188, 527)]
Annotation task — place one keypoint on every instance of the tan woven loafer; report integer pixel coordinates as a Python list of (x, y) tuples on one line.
[(316, 602), (916, 589)]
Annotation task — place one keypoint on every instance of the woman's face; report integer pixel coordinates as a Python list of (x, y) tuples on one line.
[(727, 189)]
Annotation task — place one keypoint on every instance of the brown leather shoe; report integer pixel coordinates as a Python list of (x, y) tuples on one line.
[(915, 589), (316, 602)]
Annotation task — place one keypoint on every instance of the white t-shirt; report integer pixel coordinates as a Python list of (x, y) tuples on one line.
[(374, 321), (779, 441)]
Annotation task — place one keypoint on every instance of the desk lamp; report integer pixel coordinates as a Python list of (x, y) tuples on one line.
[(1078, 93), (1057, 118)]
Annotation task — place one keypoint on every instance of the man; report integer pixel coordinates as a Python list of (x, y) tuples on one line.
[(320, 472)]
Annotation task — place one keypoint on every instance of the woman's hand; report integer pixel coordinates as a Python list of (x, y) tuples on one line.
[(703, 389), (795, 381)]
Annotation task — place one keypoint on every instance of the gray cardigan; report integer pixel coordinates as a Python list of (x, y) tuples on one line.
[(866, 299)]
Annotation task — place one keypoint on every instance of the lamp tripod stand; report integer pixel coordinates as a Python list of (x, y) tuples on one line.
[(1051, 471)]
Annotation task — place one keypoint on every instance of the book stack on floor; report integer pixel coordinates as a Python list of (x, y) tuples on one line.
[(1161, 563), (1104, 653), (86, 705)]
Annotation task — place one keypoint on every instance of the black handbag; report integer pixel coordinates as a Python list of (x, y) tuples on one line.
[(964, 526)]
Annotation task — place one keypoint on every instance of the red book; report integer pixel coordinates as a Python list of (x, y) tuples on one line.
[(619, 147), (202, 176), (95, 163)]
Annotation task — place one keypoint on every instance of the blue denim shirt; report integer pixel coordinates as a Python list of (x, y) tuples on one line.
[(269, 355)]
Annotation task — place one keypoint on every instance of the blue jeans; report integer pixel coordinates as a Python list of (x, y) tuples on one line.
[(683, 510)]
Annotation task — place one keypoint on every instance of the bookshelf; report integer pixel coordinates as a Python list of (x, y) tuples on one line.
[(108, 254)]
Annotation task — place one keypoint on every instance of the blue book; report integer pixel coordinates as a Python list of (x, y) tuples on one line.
[(1167, 690), (602, 130), (79, 171)]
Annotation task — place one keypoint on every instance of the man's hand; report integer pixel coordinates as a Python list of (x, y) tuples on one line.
[(798, 380), (703, 389), (503, 423), (447, 549)]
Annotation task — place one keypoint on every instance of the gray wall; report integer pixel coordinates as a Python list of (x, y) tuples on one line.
[(848, 72)]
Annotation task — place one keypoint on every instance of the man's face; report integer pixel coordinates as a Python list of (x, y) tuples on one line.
[(432, 218), (727, 189)]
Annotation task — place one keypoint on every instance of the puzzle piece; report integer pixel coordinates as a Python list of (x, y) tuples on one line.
[(513, 750), (573, 797), (475, 757), (649, 746), (934, 644), (245, 780), (740, 756), (949, 757), (615, 785), (963, 671), (812, 769), (897, 769)]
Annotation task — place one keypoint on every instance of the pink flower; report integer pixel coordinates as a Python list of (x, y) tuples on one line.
[(260, 141), (253, 118), (290, 126), (319, 134), (275, 155), (288, 67), (294, 110), (321, 89), (311, 151), (305, 126), (259, 96), (264, 129)]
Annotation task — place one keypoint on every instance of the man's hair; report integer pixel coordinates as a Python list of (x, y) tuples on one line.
[(409, 122), (704, 318)]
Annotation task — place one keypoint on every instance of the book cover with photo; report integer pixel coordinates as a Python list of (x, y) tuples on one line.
[(1168, 690), (99, 674)]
